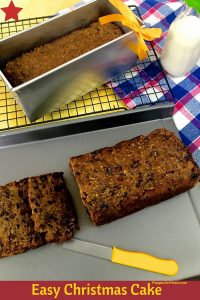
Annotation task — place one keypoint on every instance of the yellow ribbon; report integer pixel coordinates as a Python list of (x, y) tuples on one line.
[(128, 19)]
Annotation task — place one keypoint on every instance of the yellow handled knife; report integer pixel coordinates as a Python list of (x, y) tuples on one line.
[(138, 260)]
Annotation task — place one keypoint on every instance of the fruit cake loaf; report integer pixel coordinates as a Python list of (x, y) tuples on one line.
[(52, 208), (117, 181), (17, 232), (51, 55)]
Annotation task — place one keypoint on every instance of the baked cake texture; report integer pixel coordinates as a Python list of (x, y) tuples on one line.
[(117, 181), (17, 232), (51, 55), (52, 208)]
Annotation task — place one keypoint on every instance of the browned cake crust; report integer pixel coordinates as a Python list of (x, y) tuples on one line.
[(44, 58), (52, 208), (16, 226), (119, 180)]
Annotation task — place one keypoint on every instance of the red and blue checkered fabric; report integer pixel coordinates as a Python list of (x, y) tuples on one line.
[(146, 82), (186, 90)]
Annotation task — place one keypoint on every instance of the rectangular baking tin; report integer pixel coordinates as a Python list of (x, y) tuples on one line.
[(168, 230), (67, 82)]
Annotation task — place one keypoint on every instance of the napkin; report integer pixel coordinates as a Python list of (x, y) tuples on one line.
[(186, 89)]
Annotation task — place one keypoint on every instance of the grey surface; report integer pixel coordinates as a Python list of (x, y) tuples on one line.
[(88, 248), (169, 229), (75, 78)]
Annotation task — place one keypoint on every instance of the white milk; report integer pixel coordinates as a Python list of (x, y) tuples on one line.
[(182, 46)]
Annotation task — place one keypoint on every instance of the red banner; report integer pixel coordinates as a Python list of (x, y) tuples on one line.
[(127, 290)]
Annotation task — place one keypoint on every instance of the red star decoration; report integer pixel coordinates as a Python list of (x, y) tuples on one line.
[(11, 11)]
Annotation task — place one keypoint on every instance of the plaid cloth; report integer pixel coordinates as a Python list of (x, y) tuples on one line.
[(186, 90), (147, 81)]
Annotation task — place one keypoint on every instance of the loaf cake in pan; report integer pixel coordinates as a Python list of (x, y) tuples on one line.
[(65, 57), (51, 55)]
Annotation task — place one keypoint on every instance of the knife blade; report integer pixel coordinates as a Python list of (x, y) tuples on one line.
[(134, 259)]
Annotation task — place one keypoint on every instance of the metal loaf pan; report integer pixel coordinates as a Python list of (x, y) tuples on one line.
[(67, 82)]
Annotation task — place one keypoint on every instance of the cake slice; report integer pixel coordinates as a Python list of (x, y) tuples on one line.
[(17, 232), (119, 180), (52, 208)]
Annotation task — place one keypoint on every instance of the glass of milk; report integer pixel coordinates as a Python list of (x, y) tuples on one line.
[(181, 50)]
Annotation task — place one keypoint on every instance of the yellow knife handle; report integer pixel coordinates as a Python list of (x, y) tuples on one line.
[(144, 261)]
